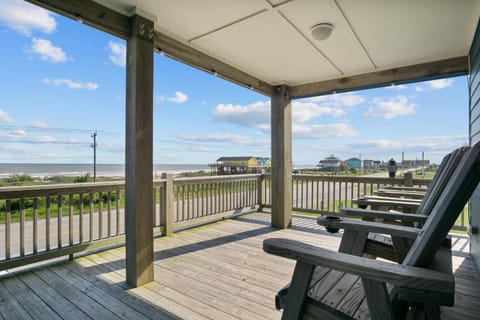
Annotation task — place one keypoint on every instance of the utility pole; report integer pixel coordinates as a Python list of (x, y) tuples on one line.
[(94, 146)]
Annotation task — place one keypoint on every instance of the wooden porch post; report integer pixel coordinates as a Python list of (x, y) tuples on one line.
[(139, 153), (281, 184)]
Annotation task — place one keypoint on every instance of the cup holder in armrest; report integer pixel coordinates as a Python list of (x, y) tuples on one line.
[(327, 219)]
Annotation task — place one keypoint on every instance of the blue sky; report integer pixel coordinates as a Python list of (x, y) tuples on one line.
[(62, 80)]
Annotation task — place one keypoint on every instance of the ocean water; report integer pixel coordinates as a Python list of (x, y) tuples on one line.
[(41, 170)]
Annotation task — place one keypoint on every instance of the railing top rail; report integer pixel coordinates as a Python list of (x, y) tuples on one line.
[(357, 179), (17, 192), (209, 179), (57, 189)]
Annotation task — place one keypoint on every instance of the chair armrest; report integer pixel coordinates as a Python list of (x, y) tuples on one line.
[(388, 199), (373, 214), (405, 195), (396, 274), (370, 226), (385, 202)]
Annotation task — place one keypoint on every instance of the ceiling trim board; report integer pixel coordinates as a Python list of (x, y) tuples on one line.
[(419, 72)]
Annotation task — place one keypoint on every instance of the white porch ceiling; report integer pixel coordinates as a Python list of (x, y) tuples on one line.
[(271, 40)]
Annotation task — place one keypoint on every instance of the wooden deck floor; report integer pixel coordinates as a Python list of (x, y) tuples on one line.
[(214, 272)]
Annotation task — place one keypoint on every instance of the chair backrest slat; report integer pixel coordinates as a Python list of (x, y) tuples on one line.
[(447, 167), (451, 202)]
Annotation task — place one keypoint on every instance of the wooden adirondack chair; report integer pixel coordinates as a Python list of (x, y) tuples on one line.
[(444, 173), (393, 247), (344, 285)]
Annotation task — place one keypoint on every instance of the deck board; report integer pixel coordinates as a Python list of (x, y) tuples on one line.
[(213, 272)]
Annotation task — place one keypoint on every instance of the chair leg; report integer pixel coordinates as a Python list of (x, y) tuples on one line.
[(378, 300), (432, 311), (353, 242), (297, 293)]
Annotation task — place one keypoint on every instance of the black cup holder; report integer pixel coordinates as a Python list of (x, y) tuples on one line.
[(332, 219)]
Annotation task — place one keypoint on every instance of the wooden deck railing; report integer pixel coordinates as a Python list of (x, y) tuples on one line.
[(326, 194), (43, 222), (48, 221)]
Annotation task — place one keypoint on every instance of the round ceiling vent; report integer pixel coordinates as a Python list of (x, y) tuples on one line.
[(322, 31)]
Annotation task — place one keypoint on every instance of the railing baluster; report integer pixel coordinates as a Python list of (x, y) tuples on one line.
[(232, 195), (109, 214), (100, 215), (70, 219), (182, 193), (209, 201), (154, 204), (295, 185), (47, 223), (59, 221), (301, 182), (312, 198), (35, 225), (8, 219), (189, 213), (22, 227), (351, 195), (90, 205), (80, 217), (195, 200), (338, 203), (117, 211)]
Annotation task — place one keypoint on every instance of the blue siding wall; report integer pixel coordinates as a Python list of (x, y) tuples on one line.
[(474, 89)]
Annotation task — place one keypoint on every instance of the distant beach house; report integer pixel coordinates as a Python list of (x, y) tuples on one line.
[(240, 165), (368, 164), (415, 163), (330, 164), (354, 163), (261, 161)]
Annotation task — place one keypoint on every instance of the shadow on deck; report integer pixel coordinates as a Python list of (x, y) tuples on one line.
[(217, 271)]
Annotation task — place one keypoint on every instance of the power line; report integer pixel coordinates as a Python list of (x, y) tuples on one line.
[(54, 129)]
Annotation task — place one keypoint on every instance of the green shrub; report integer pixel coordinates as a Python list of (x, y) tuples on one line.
[(83, 178)]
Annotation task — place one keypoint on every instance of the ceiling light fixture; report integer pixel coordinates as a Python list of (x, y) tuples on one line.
[(322, 31)]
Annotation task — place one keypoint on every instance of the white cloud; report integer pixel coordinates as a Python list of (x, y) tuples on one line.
[(397, 87), (440, 83), (217, 137), (393, 108), (461, 137), (434, 147), (26, 18), (339, 99), (4, 117), (71, 84), (257, 115), (38, 124), (19, 132), (418, 89), (180, 97), (304, 111), (376, 145), (47, 51), (45, 139), (118, 53), (197, 148), (321, 131)]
